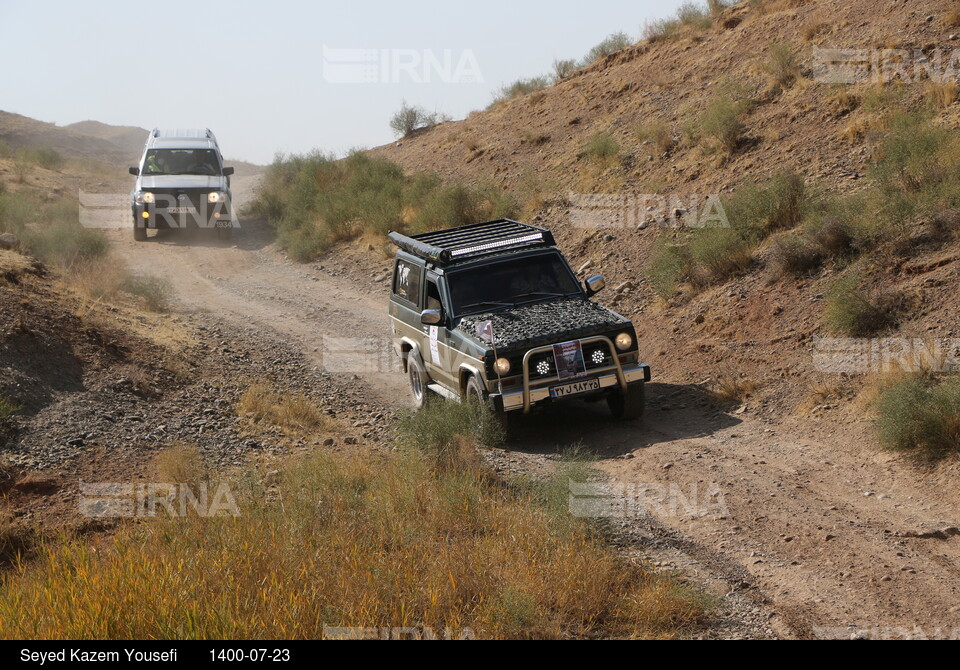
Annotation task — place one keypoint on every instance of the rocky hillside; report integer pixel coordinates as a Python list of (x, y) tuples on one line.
[(638, 122)]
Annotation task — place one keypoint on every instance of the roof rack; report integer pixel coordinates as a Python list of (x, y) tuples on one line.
[(481, 239)]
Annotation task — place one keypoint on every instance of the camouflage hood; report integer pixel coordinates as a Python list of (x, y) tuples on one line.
[(528, 326)]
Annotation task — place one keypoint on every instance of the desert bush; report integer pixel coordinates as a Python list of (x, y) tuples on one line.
[(65, 245), (315, 201), (917, 169), (782, 66), (609, 46), (7, 409), (852, 312), (16, 211), (794, 255), (659, 133), (716, 7), (447, 433), (721, 123), (669, 266), (695, 15), (521, 87), (779, 204), (717, 254), (564, 69), (920, 415), (155, 292), (733, 389), (661, 30), (602, 148), (411, 118)]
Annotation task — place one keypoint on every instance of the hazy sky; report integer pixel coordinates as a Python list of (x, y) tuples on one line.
[(258, 74)]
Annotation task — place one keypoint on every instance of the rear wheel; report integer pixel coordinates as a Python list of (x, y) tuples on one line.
[(418, 381), (627, 406)]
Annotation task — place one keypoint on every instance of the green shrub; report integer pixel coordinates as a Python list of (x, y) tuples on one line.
[(521, 87), (695, 15), (780, 204), (16, 211), (410, 118), (155, 292), (602, 148), (851, 312), (796, 255), (919, 416), (564, 69), (7, 409), (721, 123), (661, 30), (718, 254), (315, 201), (447, 432), (65, 245), (782, 66), (44, 157), (669, 266), (609, 46)]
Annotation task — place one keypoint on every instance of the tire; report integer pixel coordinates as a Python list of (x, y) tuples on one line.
[(224, 234), (627, 406), (474, 392), (139, 233), (418, 381)]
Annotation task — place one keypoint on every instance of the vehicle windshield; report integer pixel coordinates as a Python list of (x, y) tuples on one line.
[(182, 161), (510, 283)]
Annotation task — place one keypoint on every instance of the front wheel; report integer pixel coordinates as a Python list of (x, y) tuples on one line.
[(475, 393), (418, 381), (627, 406), (139, 232)]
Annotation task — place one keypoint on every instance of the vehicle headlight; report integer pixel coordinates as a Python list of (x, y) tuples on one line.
[(145, 197), (624, 341), (503, 366), (217, 196)]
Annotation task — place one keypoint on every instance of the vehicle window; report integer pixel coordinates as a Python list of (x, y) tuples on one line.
[(434, 301), (406, 282), (182, 161), (510, 283)]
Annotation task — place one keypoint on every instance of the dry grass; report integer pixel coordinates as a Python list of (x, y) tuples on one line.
[(348, 542), (941, 95), (180, 464), (292, 413), (659, 134), (782, 66), (824, 392), (730, 390)]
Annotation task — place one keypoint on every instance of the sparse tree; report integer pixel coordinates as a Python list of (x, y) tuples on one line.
[(411, 118)]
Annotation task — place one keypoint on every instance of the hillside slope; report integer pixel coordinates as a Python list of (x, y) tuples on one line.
[(759, 326)]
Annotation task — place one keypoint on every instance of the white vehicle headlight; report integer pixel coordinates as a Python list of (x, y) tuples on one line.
[(217, 196), (503, 366), (624, 341), (145, 197)]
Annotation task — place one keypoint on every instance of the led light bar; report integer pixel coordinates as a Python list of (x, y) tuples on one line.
[(538, 237)]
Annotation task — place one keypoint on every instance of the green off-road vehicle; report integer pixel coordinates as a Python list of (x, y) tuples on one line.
[(494, 312)]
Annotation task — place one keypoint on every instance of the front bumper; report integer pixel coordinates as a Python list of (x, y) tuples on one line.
[(612, 377)]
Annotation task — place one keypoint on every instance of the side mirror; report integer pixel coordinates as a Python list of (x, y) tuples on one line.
[(135, 171), (431, 317), (596, 284), (228, 171)]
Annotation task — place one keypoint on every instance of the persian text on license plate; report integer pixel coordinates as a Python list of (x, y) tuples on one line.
[(181, 210), (575, 389)]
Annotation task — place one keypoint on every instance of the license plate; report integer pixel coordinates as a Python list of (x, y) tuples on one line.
[(223, 224), (181, 210), (575, 389)]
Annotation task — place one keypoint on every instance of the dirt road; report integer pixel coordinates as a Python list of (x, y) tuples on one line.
[(812, 522)]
